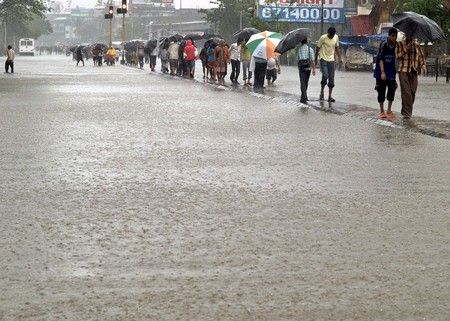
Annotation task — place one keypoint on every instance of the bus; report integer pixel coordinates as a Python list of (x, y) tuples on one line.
[(26, 47)]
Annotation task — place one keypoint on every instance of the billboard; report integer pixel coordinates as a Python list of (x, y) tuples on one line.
[(140, 2), (305, 11)]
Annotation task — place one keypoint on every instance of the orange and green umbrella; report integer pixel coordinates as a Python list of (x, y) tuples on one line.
[(263, 44)]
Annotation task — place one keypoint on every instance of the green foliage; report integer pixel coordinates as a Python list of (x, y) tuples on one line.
[(226, 18), (24, 18), (23, 10)]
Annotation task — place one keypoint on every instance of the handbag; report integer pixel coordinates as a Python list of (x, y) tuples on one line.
[(304, 64)]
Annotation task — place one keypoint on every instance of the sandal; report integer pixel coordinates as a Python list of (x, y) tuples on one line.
[(382, 116), (390, 115)]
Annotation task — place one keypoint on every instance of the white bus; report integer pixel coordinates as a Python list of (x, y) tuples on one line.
[(26, 47)]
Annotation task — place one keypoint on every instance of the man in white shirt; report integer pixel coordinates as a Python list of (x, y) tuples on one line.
[(235, 57), (10, 56), (327, 47), (173, 57)]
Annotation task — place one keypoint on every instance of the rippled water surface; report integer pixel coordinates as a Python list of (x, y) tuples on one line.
[(130, 196)]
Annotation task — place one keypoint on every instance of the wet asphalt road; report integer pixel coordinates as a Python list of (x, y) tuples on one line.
[(130, 196)]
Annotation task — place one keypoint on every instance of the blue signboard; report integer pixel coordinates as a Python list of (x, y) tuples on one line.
[(305, 14)]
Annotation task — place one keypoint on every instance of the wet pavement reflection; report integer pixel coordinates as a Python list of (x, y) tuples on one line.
[(129, 196)]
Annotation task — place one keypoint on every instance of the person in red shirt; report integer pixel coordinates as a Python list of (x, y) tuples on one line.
[(190, 55)]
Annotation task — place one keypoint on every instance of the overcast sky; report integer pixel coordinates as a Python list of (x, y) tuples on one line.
[(185, 3)]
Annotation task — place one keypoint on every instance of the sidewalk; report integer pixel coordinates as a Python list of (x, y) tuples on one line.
[(356, 97)]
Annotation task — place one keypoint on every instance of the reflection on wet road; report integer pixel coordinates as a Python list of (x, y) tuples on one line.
[(126, 196)]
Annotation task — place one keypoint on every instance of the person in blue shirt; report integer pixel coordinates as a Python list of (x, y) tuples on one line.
[(385, 72)]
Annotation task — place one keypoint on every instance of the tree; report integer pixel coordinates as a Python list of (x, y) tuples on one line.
[(24, 9), (16, 16), (226, 18)]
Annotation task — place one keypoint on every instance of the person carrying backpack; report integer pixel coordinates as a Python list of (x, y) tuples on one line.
[(385, 72)]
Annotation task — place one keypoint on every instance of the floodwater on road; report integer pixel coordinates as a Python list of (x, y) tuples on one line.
[(129, 196)]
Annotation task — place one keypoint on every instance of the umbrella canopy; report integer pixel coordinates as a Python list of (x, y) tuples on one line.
[(245, 33), (100, 46), (213, 41), (133, 45), (212, 35), (193, 36), (292, 39), (418, 26), (176, 37), (150, 45), (263, 44), (164, 43)]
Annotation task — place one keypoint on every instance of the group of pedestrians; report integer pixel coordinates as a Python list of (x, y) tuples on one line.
[(216, 58), (406, 54), (405, 58), (179, 58)]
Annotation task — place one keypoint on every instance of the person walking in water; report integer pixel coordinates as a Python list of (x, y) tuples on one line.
[(10, 56), (273, 68), (190, 55), (221, 56), (410, 59), (305, 64), (246, 57), (79, 55), (235, 58), (327, 47), (385, 71)]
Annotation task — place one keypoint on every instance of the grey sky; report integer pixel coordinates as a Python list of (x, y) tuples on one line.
[(185, 3)]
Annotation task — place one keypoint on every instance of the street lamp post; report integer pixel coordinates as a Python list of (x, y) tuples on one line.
[(123, 10), (109, 16), (321, 18)]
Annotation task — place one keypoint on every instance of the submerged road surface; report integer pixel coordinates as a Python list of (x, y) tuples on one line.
[(129, 196)]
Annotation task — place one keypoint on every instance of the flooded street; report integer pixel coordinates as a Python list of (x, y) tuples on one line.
[(130, 196)]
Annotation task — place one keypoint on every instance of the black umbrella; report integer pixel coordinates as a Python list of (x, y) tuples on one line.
[(245, 33), (133, 45), (150, 45), (418, 26), (193, 36), (212, 35), (100, 46), (176, 37), (164, 43), (213, 41), (292, 39)]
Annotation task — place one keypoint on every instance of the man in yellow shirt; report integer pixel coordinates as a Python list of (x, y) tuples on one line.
[(111, 55), (327, 47)]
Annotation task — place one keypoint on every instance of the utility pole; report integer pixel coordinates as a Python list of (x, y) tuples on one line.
[(123, 10), (321, 18), (109, 16)]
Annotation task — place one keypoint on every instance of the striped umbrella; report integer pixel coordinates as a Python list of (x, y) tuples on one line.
[(263, 44)]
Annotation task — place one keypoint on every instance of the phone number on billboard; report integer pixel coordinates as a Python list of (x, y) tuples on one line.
[(303, 14)]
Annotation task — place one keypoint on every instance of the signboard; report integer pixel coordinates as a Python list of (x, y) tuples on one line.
[(305, 11), (150, 1)]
